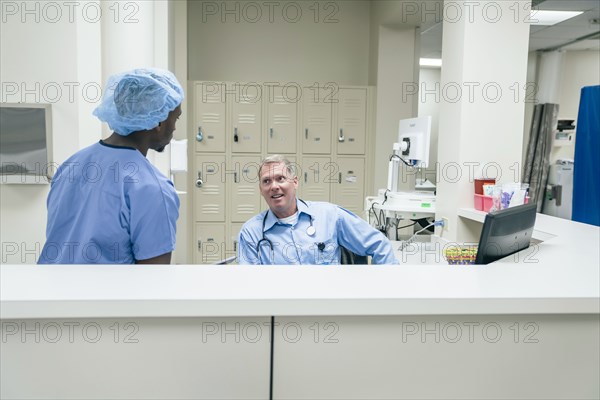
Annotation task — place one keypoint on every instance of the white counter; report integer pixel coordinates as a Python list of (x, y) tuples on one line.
[(511, 330), (559, 275)]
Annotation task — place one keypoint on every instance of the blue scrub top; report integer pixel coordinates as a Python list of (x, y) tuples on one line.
[(292, 244), (109, 205)]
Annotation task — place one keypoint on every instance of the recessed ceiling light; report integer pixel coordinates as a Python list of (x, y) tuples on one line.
[(548, 17), (430, 62)]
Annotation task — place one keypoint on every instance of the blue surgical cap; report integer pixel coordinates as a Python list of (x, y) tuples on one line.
[(139, 100)]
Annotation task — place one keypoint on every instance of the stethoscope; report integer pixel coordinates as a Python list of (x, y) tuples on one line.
[(310, 231)]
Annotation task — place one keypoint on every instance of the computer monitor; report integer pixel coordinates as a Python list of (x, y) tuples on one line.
[(415, 135), (506, 232), (25, 143)]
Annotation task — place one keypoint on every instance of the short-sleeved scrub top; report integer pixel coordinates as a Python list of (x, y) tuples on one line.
[(109, 205)]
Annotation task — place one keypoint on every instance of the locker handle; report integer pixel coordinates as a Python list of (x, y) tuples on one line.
[(235, 243), (305, 177), (340, 178), (199, 181), (235, 135), (200, 135), (271, 132), (306, 133), (199, 245), (341, 138), (235, 177)]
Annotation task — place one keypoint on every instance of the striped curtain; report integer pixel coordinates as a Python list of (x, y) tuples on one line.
[(537, 162)]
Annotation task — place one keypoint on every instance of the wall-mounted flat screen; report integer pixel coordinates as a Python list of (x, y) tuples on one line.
[(25, 143)]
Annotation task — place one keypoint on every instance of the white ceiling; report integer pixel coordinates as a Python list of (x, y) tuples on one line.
[(541, 37)]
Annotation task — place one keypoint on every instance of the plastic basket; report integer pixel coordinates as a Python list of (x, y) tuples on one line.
[(461, 255)]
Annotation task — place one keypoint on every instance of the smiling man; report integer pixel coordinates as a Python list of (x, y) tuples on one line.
[(295, 231)]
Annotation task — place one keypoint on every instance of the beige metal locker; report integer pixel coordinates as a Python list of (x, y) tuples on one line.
[(349, 190), (314, 177), (244, 190), (245, 135), (209, 116), (282, 119), (316, 121), (210, 243), (352, 121), (209, 190)]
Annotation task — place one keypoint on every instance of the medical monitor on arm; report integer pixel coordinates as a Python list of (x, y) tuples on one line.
[(412, 148), (414, 137)]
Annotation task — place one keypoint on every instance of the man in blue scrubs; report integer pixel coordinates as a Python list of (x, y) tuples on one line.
[(108, 204), (293, 231)]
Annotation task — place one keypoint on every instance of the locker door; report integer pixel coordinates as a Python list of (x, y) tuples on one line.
[(282, 119), (210, 243), (315, 178), (209, 191), (209, 116), (316, 122), (352, 121), (246, 119), (349, 191), (245, 193)]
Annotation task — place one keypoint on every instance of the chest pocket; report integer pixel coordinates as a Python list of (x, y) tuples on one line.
[(326, 253)]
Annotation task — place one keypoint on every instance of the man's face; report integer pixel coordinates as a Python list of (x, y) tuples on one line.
[(166, 129), (278, 188)]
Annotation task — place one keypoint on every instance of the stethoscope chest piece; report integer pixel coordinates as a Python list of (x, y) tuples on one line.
[(310, 231)]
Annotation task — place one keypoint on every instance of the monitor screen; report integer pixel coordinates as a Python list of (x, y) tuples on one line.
[(417, 133), (24, 139), (506, 232)]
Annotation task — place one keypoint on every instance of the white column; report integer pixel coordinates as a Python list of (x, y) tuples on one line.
[(127, 35), (482, 102), (396, 69), (135, 34), (549, 79), (127, 38), (88, 44)]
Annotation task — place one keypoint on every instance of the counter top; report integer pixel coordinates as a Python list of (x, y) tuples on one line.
[(558, 276)]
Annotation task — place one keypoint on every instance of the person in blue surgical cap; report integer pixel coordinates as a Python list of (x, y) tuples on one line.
[(107, 203)]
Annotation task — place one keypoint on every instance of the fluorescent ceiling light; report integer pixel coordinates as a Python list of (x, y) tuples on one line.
[(430, 62), (547, 17)]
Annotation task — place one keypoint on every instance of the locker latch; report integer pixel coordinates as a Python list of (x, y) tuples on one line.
[(199, 181), (235, 135), (341, 137), (200, 134)]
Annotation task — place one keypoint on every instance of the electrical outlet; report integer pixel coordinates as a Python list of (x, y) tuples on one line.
[(445, 227)]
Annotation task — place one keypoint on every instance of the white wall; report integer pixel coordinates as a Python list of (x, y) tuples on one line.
[(220, 48), (581, 68), (484, 130), (42, 54), (430, 105), (61, 46), (395, 70)]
